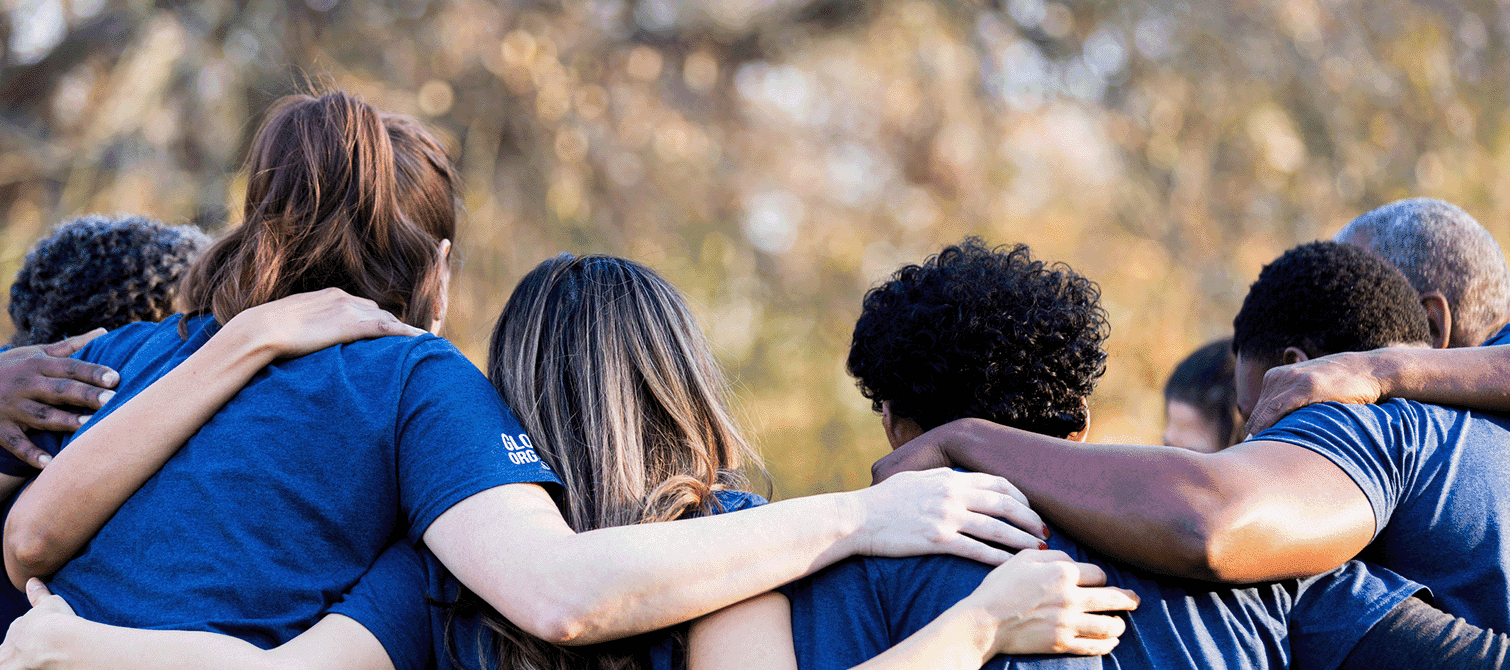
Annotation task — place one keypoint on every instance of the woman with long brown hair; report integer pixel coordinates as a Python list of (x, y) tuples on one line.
[(624, 401), (328, 456)]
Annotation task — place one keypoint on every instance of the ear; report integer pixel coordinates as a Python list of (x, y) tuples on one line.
[(1438, 318), (439, 318), (1294, 355), (1083, 433), (889, 425)]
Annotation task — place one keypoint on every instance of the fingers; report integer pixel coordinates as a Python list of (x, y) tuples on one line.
[(987, 482), (72, 345), (65, 381), (1013, 510), (36, 591), (1108, 599), (46, 417), (1000, 532), (975, 550), (13, 438), (1089, 646), (1098, 626)]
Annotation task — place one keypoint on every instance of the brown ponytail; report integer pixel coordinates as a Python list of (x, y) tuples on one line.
[(338, 194)]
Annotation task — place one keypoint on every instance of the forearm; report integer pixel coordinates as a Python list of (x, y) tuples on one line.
[(1469, 377), (104, 465), (87, 645), (615, 582), (1176, 512), (960, 638)]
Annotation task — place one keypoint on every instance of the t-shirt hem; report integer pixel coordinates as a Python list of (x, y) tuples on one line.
[(1347, 466)]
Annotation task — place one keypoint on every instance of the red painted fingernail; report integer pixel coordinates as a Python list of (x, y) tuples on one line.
[(1043, 545), (1046, 532)]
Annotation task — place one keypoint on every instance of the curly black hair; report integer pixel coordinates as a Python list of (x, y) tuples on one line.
[(96, 271), (985, 333), (1327, 297)]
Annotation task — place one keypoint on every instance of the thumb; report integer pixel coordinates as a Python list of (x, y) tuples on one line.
[(72, 345), (36, 591)]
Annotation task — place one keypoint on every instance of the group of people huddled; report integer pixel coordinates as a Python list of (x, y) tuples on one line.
[(272, 461)]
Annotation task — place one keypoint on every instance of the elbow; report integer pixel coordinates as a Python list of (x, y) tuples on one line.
[(1204, 548), (555, 621), (28, 554)]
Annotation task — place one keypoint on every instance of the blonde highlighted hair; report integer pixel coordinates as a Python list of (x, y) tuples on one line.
[(617, 386)]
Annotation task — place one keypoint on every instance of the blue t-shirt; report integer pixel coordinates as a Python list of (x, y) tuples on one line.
[(404, 601), (1438, 479), (860, 607), (1501, 337), (292, 490)]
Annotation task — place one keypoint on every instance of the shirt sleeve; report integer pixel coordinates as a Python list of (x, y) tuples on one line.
[(455, 438), (837, 618), (1334, 610), (1365, 441), (389, 601)]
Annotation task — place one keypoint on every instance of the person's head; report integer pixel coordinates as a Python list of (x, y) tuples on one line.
[(1455, 265), (338, 194), (1317, 299), (619, 391), (100, 272), (1200, 410), (984, 333)]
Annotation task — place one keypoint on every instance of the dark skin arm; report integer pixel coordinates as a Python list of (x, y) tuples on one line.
[(1468, 377), (1255, 512)]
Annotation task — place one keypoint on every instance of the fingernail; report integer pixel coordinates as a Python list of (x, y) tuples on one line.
[(44, 459), (1043, 545), (106, 396), (110, 378), (1046, 533), (85, 419)]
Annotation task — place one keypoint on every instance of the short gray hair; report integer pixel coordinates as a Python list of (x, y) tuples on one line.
[(1440, 247)]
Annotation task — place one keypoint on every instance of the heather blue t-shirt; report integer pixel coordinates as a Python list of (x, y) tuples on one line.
[(404, 601), (1438, 479), (1501, 337), (860, 607), (292, 490)]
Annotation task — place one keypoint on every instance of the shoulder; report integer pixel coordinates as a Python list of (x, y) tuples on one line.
[(114, 347)]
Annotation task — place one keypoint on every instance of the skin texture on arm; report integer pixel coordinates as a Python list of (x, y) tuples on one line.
[(1037, 603), (510, 546), (87, 482), (1468, 377), (52, 637), (1258, 511)]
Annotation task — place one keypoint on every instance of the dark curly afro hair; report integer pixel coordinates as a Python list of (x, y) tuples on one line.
[(1325, 298), (97, 271), (985, 333)]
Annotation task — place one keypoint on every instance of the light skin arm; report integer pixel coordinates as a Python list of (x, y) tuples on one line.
[(1468, 377), (52, 637), (510, 546), (1037, 603), (1254, 512), (87, 482)]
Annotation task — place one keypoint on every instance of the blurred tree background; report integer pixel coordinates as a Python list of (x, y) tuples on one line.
[(775, 158)]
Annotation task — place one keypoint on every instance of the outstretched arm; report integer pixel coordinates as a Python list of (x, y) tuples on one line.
[(1254, 512), (1036, 603), (87, 482), (52, 637), (1477, 377), (510, 546)]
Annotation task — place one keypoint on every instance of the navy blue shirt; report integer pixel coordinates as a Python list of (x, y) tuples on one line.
[(403, 601), (860, 607), (292, 490), (1438, 479)]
